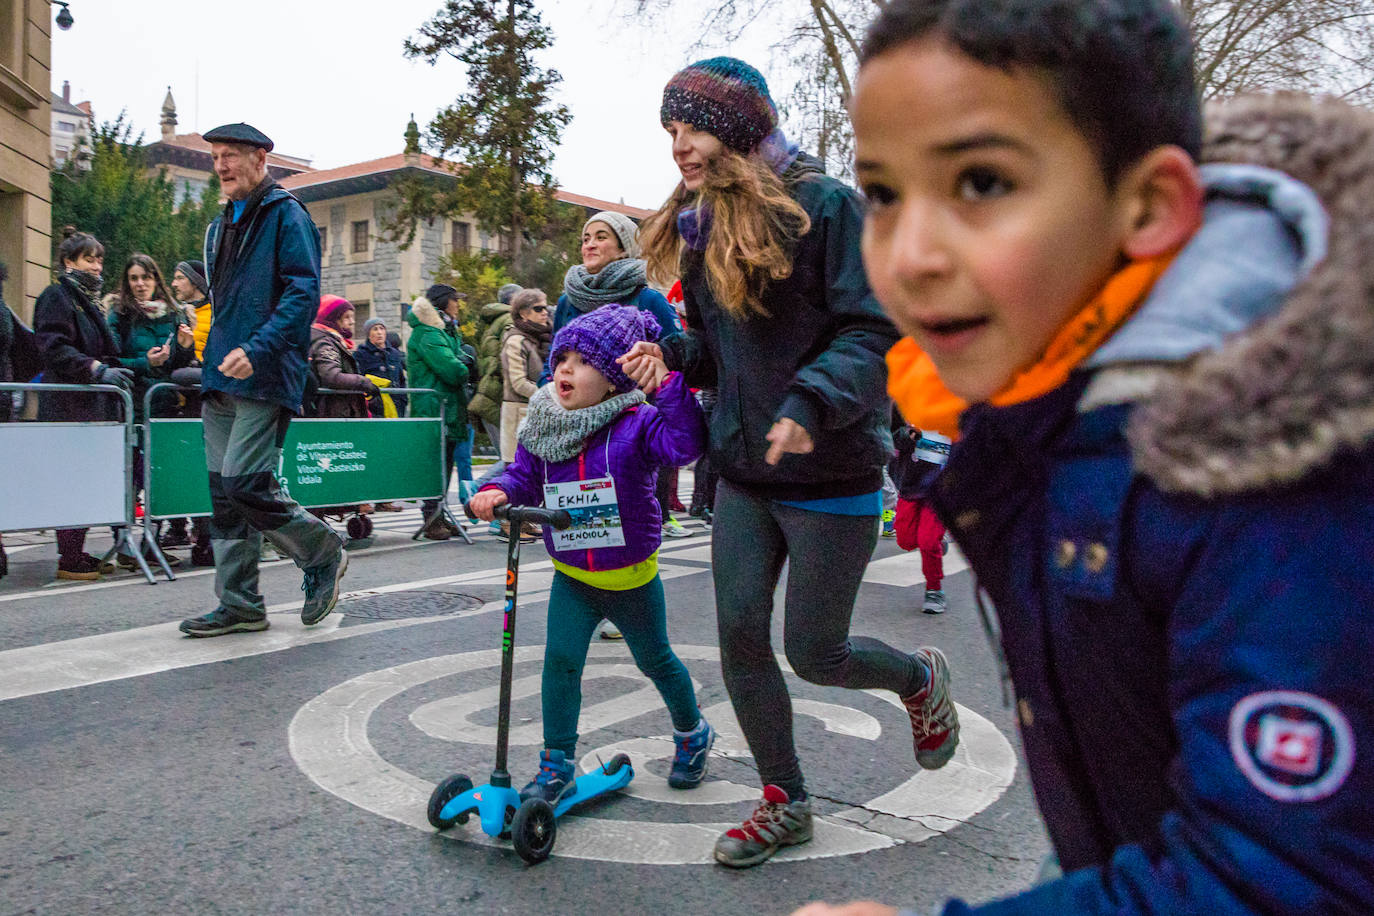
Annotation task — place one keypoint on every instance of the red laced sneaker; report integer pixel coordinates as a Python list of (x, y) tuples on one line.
[(776, 822), (934, 720)]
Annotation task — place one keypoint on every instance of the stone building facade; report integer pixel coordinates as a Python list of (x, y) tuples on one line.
[(351, 203), (25, 156), (71, 129)]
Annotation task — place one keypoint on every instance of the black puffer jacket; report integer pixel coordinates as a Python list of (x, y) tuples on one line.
[(18, 356), (73, 339), (816, 358)]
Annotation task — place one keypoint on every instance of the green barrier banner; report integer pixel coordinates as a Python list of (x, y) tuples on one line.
[(323, 463)]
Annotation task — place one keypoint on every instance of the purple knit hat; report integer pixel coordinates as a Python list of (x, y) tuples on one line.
[(602, 336)]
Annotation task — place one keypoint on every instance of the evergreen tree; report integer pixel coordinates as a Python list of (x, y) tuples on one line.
[(126, 208), (501, 133)]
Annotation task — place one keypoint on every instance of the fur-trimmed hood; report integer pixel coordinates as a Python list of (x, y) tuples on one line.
[(1253, 359), (422, 311)]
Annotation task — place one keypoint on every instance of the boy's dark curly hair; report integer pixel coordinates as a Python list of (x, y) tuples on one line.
[(1123, 68)]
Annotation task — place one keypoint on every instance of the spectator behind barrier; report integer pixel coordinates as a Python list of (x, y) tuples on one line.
[(432, 361), (332, 363), (77, 348), (376, 357), (154, 336), (18, 362)]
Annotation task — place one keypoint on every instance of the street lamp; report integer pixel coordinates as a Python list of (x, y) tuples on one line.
[(64, 16)]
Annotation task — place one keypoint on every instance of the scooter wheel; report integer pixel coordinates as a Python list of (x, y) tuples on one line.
[(367, 526), (533, 830), (357, 527), (617, 762), (444, 793)]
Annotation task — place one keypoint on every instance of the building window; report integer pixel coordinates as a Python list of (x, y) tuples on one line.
[(462, 237), (324, 240), (360, 236), (62, 152), (66, 127)]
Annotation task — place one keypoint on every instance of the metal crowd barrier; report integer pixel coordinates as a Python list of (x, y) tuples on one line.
[(154, 514), (73, 449)]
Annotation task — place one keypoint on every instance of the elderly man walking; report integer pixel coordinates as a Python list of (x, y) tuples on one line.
[(263, 259)]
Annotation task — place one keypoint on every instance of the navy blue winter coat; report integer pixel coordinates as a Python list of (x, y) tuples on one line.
[(384, 362), (1179, 544), (266, 304)]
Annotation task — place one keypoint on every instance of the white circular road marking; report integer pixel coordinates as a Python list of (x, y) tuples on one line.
[(329, 742)]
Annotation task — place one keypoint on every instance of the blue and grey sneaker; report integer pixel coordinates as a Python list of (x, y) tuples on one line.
[(693, 753), (321, 587), (555, 777), (222, 621)]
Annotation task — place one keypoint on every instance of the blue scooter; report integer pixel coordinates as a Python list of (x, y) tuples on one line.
[(531, 824)]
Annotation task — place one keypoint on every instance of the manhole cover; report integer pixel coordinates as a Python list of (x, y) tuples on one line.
[(403, 605)]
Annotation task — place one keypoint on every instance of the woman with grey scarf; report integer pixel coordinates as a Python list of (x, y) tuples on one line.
[(611, 272)]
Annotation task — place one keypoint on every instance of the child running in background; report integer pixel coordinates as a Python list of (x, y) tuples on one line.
[(1163, 383), (590, 431), (919, 455)]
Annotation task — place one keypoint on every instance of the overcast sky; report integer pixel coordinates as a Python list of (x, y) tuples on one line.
[(327, 80)]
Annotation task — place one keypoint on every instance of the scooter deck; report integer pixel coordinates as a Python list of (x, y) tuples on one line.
[(590, 785), (492, 802)]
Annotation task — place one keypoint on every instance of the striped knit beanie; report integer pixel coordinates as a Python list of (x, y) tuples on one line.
[(725, 97), (601, 336)]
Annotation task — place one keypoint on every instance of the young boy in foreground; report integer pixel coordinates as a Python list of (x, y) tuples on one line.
[(1163, 379)]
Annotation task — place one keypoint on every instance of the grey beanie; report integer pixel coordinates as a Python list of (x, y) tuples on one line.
[(506, 293), (624, 228), (370, 323)]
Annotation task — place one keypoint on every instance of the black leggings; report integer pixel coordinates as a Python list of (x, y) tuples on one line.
[(827, 555)]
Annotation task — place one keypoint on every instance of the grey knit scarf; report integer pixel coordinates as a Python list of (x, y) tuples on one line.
[(554, 433), (617, 282)]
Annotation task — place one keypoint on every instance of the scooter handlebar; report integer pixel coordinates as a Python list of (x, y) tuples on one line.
[(558, 518)]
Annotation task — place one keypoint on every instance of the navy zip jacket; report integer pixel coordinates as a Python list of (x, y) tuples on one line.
[(1179, 545), (267, 300), (817, 357)]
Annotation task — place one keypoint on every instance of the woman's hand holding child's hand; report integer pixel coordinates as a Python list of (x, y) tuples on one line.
[(644, 364), (484, 503), (651, 379)]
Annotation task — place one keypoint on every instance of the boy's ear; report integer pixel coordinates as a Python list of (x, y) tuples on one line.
[(1162, 194)]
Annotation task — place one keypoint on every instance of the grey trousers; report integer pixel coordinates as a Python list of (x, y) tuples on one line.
[(243, 442), (827, 555)]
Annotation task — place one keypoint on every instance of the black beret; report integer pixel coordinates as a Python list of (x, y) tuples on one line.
[(246, 134)]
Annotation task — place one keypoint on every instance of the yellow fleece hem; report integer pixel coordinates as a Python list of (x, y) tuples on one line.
[(614, 580)]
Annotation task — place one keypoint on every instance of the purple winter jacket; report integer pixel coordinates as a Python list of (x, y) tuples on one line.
[(672, 431)]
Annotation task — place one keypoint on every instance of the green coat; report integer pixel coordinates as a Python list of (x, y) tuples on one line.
[(486, 404), (432, 362)]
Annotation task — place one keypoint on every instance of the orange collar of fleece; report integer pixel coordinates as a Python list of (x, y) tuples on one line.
[(926, 403)]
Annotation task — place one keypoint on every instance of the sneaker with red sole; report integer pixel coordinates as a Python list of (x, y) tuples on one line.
[(934, 720), (776, 822)]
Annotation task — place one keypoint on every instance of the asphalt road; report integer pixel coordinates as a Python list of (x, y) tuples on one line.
[(287, 771)]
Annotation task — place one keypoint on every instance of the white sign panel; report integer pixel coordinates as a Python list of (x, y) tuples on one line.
[(61, 475)]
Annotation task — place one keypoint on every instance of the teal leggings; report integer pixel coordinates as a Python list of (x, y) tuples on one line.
[(575, 609)]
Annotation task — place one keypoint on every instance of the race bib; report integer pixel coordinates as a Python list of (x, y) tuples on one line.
[(932, 447), (595, 513)]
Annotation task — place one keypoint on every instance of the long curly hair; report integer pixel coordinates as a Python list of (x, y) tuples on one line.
[(127, 303), (755, 225)]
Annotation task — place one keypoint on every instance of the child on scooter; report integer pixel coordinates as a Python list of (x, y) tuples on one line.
[(591, 444)]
